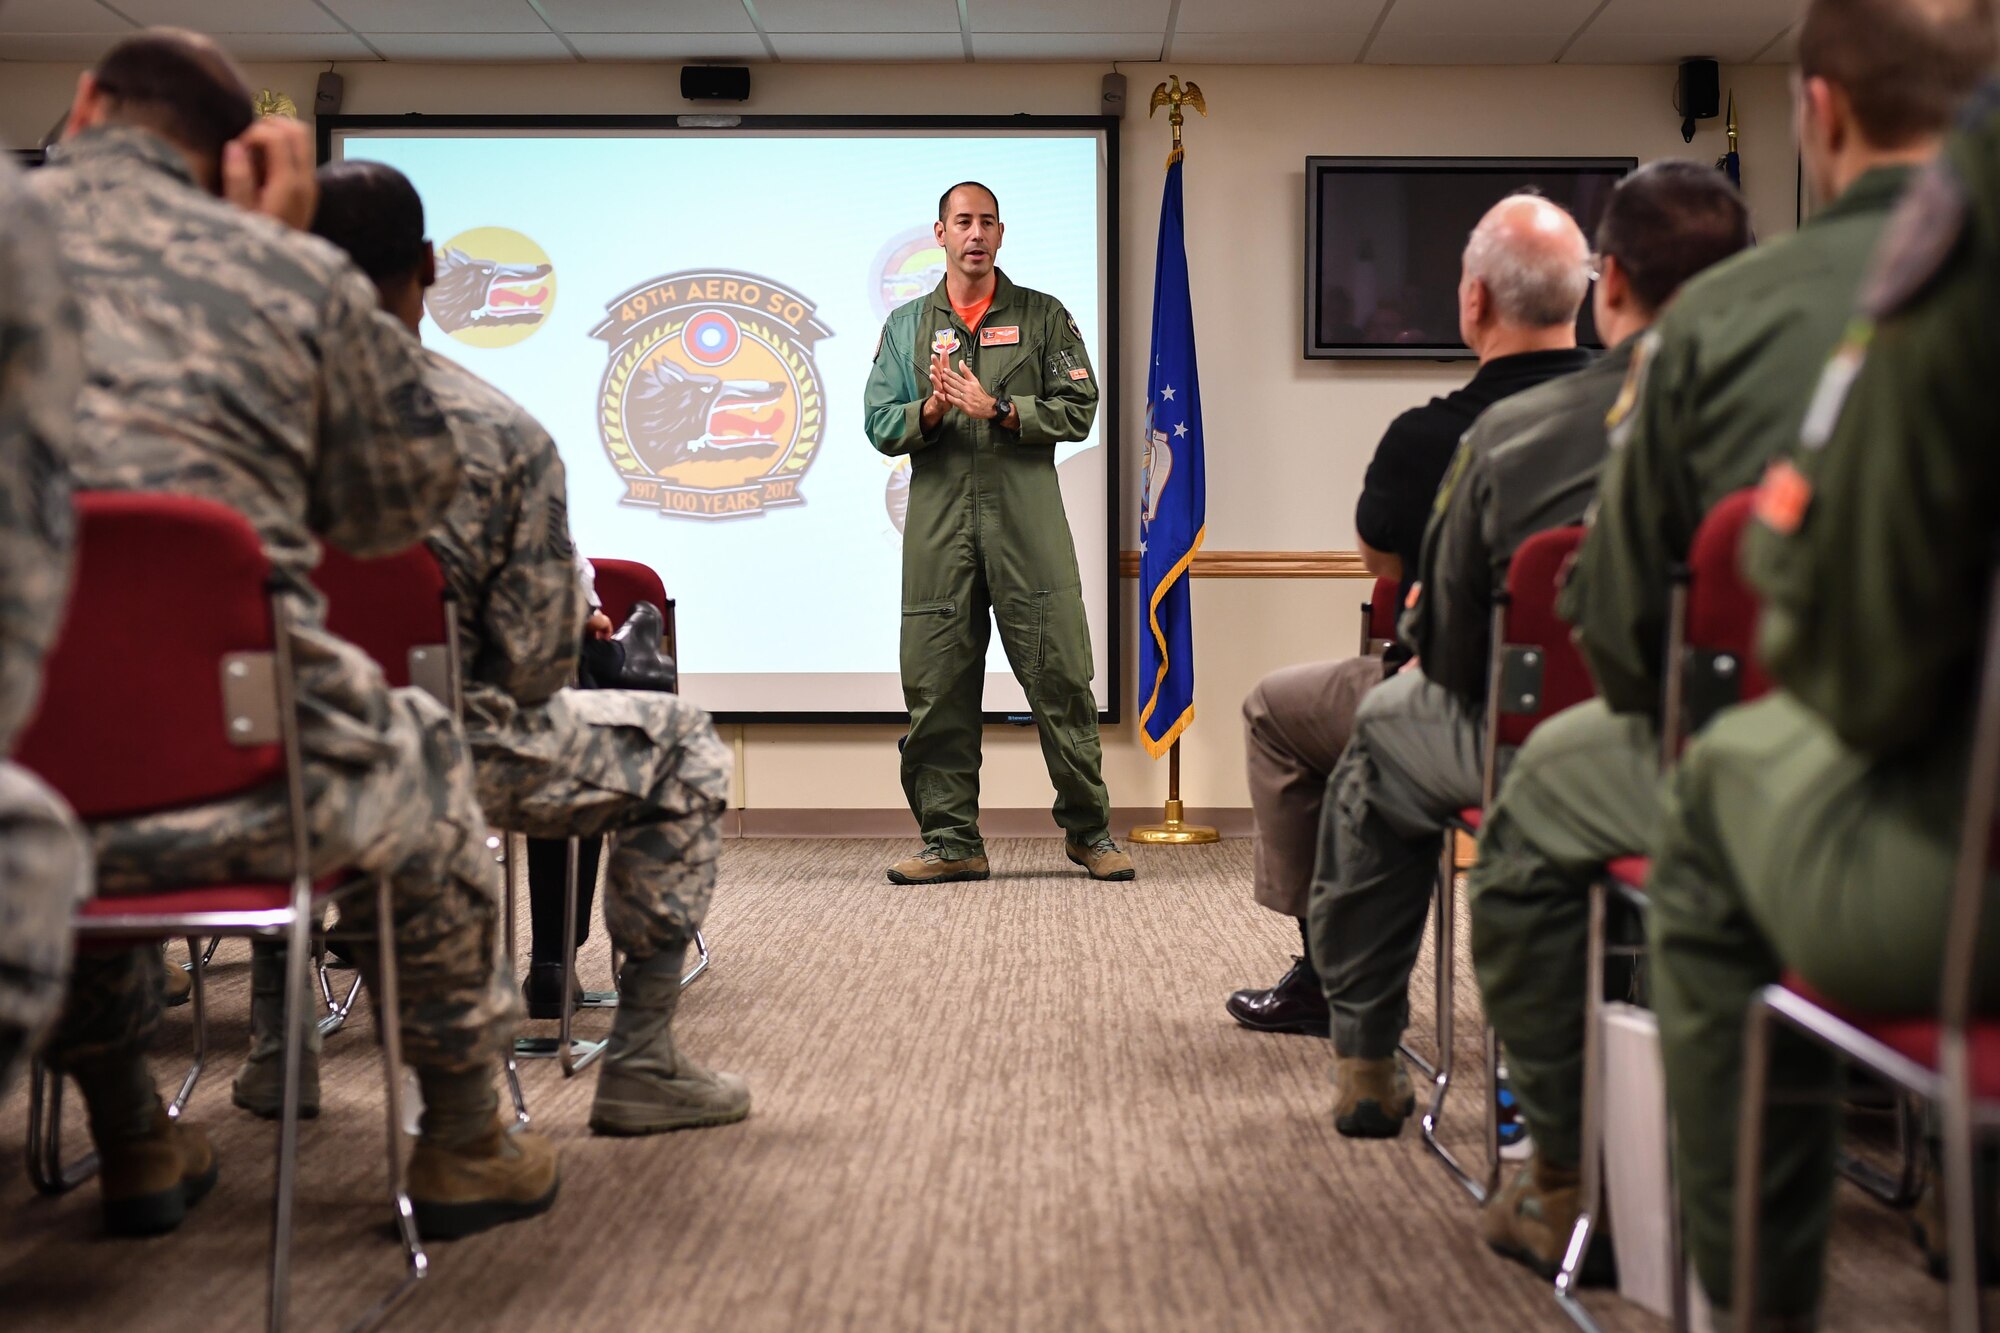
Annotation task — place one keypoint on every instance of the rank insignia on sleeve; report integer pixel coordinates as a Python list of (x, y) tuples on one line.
[(1783, 498), (944, 342)]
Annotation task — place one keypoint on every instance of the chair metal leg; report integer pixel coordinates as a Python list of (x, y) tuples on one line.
[(207, 954), (45, 1164), (336, 1010), (701, 951), (1750, 1159), (574, 1055), (1479, 1187), (298, 943), (390, 1020), (198, 973), (1962, 1215), (1903, 1188), (1569, 1274)]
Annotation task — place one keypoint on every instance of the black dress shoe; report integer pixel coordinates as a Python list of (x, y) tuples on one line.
[(543, 991), (647, 665), (1295, 1004)]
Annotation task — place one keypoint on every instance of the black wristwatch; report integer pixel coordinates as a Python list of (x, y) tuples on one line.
[(1002, 409)]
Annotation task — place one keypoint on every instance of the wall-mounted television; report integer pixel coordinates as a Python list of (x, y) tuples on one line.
[(1384, 236)]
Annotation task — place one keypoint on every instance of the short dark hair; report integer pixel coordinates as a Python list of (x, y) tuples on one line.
[(371, 210), (945, 199), (178, 84), (1668, 221), (1905, 65)]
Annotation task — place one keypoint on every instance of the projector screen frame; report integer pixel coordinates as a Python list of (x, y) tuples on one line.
[(1108, 374)]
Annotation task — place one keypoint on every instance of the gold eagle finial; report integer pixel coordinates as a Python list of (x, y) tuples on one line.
[(269, 103), (1175, 95)]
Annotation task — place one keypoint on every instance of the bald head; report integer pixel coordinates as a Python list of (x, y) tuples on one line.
[(1527, 258)]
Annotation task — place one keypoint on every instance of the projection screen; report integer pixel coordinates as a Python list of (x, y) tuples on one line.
[(692, 313)]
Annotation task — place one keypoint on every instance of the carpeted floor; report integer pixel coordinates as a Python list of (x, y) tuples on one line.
[(1010, 1105)]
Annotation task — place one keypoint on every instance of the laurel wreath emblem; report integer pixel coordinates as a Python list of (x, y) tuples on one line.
[(805, 382)]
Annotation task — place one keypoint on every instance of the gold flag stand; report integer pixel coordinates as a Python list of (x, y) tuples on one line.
[(1174, 831)]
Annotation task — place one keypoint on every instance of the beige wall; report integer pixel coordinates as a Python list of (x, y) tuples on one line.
[(1287, 439)]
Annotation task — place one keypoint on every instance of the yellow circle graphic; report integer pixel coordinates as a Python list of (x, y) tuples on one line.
[(495, 287)]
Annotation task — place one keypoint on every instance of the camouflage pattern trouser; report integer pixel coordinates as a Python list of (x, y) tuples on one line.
[(646, 767), (44, 874), (388, 786)]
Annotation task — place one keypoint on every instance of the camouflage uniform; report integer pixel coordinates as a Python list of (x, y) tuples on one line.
[(551, 761), (233, 359), (43, 874)]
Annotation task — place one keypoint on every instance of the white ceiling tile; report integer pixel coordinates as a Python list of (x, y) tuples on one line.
[(1783, 51), (1066, 46), (220, 16), (868, 46), (1721, 20), (439, 15), (56, 46), (1472, 48), (59, 16), (648, 16), (1234, 48), (469, 46), (1279, 16), (1515, 18), (279, 46), (738, 47), (1657, 49), (1067, 15), (875, 16)]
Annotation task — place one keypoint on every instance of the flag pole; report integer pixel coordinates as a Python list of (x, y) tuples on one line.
[(1174, 830)]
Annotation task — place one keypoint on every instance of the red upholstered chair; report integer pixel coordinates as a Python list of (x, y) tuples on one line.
[(1711, 652), (1534, 673), (208, 713), (1378, 618), (1952, 1057)]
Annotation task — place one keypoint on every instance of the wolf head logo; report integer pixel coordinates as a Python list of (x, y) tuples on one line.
[(676, 414), (483, 293)]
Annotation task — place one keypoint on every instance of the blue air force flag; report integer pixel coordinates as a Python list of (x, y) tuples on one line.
[(1174, 493)]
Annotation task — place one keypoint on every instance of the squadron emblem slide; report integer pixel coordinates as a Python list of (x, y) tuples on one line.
[(711, 405), (494, 288)]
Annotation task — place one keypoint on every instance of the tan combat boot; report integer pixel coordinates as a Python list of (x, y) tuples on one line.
[(1102, 859), (647, 1086), (931, 866), (1529, 1219), (260, 1084), (150, 1169), (1374, 1097), (468, 1172), (176, 986)]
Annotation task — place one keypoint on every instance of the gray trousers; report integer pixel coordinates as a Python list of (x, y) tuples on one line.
[(1412, 763), (1296, 724)]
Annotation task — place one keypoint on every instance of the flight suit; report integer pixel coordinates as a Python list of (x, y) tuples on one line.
[(1818, 829), (986, 540), (1528, 463), (230, 358), (1719, 387), (44, 868)]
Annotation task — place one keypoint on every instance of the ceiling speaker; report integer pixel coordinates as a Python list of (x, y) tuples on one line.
[(715, 83)]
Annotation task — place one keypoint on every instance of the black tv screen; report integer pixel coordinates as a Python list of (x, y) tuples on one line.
[(1384, 236)]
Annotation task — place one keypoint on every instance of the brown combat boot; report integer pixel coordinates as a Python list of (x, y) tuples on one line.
[(931, 866), (468, 1172), (1529, 1220), (176, 986), (1102, 859), (648, 1085), (1375, 1097), (259, 1087), (150, 1169)]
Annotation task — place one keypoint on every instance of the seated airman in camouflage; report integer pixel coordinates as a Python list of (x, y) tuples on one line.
[(43, 869), (232, 357), (551, 762)]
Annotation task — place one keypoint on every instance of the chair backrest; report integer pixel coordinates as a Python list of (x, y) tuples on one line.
[(132, 716), (1978, 855), (1378, 618), (1721, 634), (397, 610), (621, 584), (1539, 671)]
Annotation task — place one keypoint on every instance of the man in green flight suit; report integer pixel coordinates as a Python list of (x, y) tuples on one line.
[(978, 382), (1818, 829), (1719, 388)]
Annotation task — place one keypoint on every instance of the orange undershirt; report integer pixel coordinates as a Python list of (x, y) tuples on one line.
[(973, 313)]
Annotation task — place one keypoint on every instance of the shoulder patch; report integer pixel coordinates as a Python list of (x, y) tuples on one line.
[(1074, 331), (1922, 233), (1830, 396), (1617, 422)]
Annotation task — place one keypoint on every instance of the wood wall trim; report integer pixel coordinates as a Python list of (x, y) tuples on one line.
[(1263, 565)]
